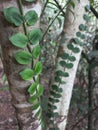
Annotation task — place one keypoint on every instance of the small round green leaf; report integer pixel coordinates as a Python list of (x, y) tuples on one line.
[(83, 36), (12, 15), (36, 51), (19, 40), (57, 79), (86, 18), (35, 36), (65, 56), (62, 63), (32, 88), (36, 106), (82, 27), (78, 34), (38, 68), (40, 90), (31, 17), (70, 46), (54, 94), (72, 58), (76, 50), (27, 74), (87, 7), (69, 65), (30, 0), (61, 73), (33, 98), (23, 57)]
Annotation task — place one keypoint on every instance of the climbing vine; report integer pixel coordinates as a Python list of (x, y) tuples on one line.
[(66, 62), (29, 52)]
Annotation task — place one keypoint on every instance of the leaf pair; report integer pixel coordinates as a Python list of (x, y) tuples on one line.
[(12, 15), (28, 74), (24, 57), (20, 40), (35, 87)]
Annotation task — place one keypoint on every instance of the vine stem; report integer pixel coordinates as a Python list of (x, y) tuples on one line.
[(53, 21), (28, 46), (24, 25)]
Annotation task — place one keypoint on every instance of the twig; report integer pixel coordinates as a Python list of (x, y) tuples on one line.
[(59, 7)]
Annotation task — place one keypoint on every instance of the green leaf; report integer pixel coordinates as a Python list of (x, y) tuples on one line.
[(72, 58), (72, 4), (40, 90), (36, 106), (56, 88), (76, 50), (19, 40), (87, 7), (33, 88), (33, 98), (36, 51), (52, 100), (61, 73), (70, 46), (30, 0), (31, 17), (38, 68), (82, 27), (12, 15), (86, 18), (23, 57), (35, 36), (62, 63), (83, 36), (27, 74), (78, 34), (65, 56), (57, 79), (77, 41), (54, 94), (69, 65)]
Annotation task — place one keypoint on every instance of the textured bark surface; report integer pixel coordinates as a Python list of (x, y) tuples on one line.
[(71, 26), (18, 87)]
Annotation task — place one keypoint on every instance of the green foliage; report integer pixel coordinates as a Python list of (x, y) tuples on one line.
[(35, 36), (27, 74), (31, 17), (86, 18), (23, 57), (87, 7), (13, 16), (38, 68), (40, 90), (36, 51), (32, 88), (82, 27), (19, 40), (27, 55), (30, 0)]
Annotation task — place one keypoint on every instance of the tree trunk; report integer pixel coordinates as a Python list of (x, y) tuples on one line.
[(18, 87), (71, 26)]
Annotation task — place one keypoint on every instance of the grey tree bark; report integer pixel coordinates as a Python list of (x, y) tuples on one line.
[(71, 26), (18, 87)]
